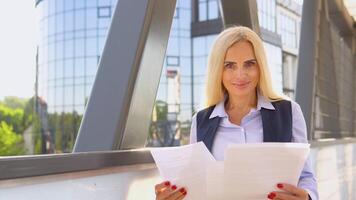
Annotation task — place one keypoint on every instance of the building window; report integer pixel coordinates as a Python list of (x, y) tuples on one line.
[(287, 28), (208, 10), (172, 61), (267, 14), (104, 12)]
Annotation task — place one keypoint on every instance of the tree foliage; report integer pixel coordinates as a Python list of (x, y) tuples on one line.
[(11, 143), (16, 115)]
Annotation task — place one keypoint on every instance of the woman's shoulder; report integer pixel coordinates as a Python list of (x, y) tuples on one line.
[(205, 110), (289, 104), (294, 105)]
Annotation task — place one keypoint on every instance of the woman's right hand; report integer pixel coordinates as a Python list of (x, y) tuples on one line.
[(166, 191)]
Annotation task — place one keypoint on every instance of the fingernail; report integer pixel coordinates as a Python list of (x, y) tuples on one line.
[(272, 195), (280, 185), (269, 196), (185, 192), (182, 190), (167, 183), (174, 187)]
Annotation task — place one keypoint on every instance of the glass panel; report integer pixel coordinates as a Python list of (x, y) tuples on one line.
[(59, 23), (203, 13), (79, 47), (68, 4), (59, 69), (79, 95), (79, 4), (91, 47), (68, 68), (91, 20), (79, 67), (69, 21), (104, 12), (91, 3), (91, 66), (104, 2), (69, 49), (68, 95), (59, 6), (213, 9), (79, 19)]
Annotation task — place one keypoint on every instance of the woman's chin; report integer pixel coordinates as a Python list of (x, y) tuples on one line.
[(240, 93)]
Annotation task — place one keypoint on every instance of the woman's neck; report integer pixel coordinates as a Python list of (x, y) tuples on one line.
[(241, 103)]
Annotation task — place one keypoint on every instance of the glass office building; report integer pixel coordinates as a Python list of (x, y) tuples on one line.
[(72, 38)]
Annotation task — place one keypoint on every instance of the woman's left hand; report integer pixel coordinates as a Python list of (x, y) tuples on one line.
[(290, 193)]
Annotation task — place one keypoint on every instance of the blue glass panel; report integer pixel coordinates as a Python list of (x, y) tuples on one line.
[(79, 19)]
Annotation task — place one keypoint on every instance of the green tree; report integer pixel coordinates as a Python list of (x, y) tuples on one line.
[(15, 102), (161, 110), (65, 127), (10, 143), (13, 117), (17, 115)]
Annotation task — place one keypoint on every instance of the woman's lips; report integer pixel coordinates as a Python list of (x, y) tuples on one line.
[(241, 84)]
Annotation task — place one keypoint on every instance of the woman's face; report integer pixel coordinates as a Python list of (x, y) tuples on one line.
[(241, 71)]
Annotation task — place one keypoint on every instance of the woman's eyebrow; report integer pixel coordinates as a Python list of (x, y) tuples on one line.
[(251, 60), (226, 61)]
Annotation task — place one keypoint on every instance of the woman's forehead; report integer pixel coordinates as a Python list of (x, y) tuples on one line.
[(240, 50)]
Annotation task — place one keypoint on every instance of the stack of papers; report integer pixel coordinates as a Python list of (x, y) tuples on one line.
[(249, 171)]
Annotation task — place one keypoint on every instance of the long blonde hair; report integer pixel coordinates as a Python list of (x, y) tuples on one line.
[(215, 90)]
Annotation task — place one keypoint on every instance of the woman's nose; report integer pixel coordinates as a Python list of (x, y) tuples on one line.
[(240, 72)]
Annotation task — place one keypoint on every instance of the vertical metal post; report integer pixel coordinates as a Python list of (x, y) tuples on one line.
[(307, 62), (119, 109)]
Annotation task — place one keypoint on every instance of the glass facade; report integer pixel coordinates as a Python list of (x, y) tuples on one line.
[(208, 10), (71, 41), (72, 38), (267, 14), (287, 28), (171, 116)]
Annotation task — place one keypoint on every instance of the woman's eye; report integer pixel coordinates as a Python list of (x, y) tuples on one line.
[(250, 64), (228, 65)]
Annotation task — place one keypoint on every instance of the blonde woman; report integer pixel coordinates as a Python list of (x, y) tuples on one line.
[(242, 107)]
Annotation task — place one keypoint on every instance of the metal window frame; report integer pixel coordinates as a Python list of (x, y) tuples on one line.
[(99, 14)]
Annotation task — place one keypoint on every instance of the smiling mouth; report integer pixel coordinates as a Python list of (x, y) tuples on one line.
[(241, 85)]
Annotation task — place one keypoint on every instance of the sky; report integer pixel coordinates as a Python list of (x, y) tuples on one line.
[(18, 39)]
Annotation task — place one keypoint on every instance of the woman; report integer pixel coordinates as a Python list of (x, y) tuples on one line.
[(242, 107)]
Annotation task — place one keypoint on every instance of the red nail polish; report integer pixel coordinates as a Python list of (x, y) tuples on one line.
[(272, 195), (185, 192), (167, 183), (174, 187), (182, 190), (280, 185)]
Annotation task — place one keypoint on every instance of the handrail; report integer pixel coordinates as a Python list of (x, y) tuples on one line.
[(29, 166)]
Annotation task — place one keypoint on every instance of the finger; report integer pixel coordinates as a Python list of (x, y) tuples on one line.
[(166, 192), (159, 187), (181, 197), (292, 189), (178, 194), (273, 195), (285, 196)]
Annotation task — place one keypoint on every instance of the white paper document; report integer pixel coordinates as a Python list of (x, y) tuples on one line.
[(249, 171), (185, 166)]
